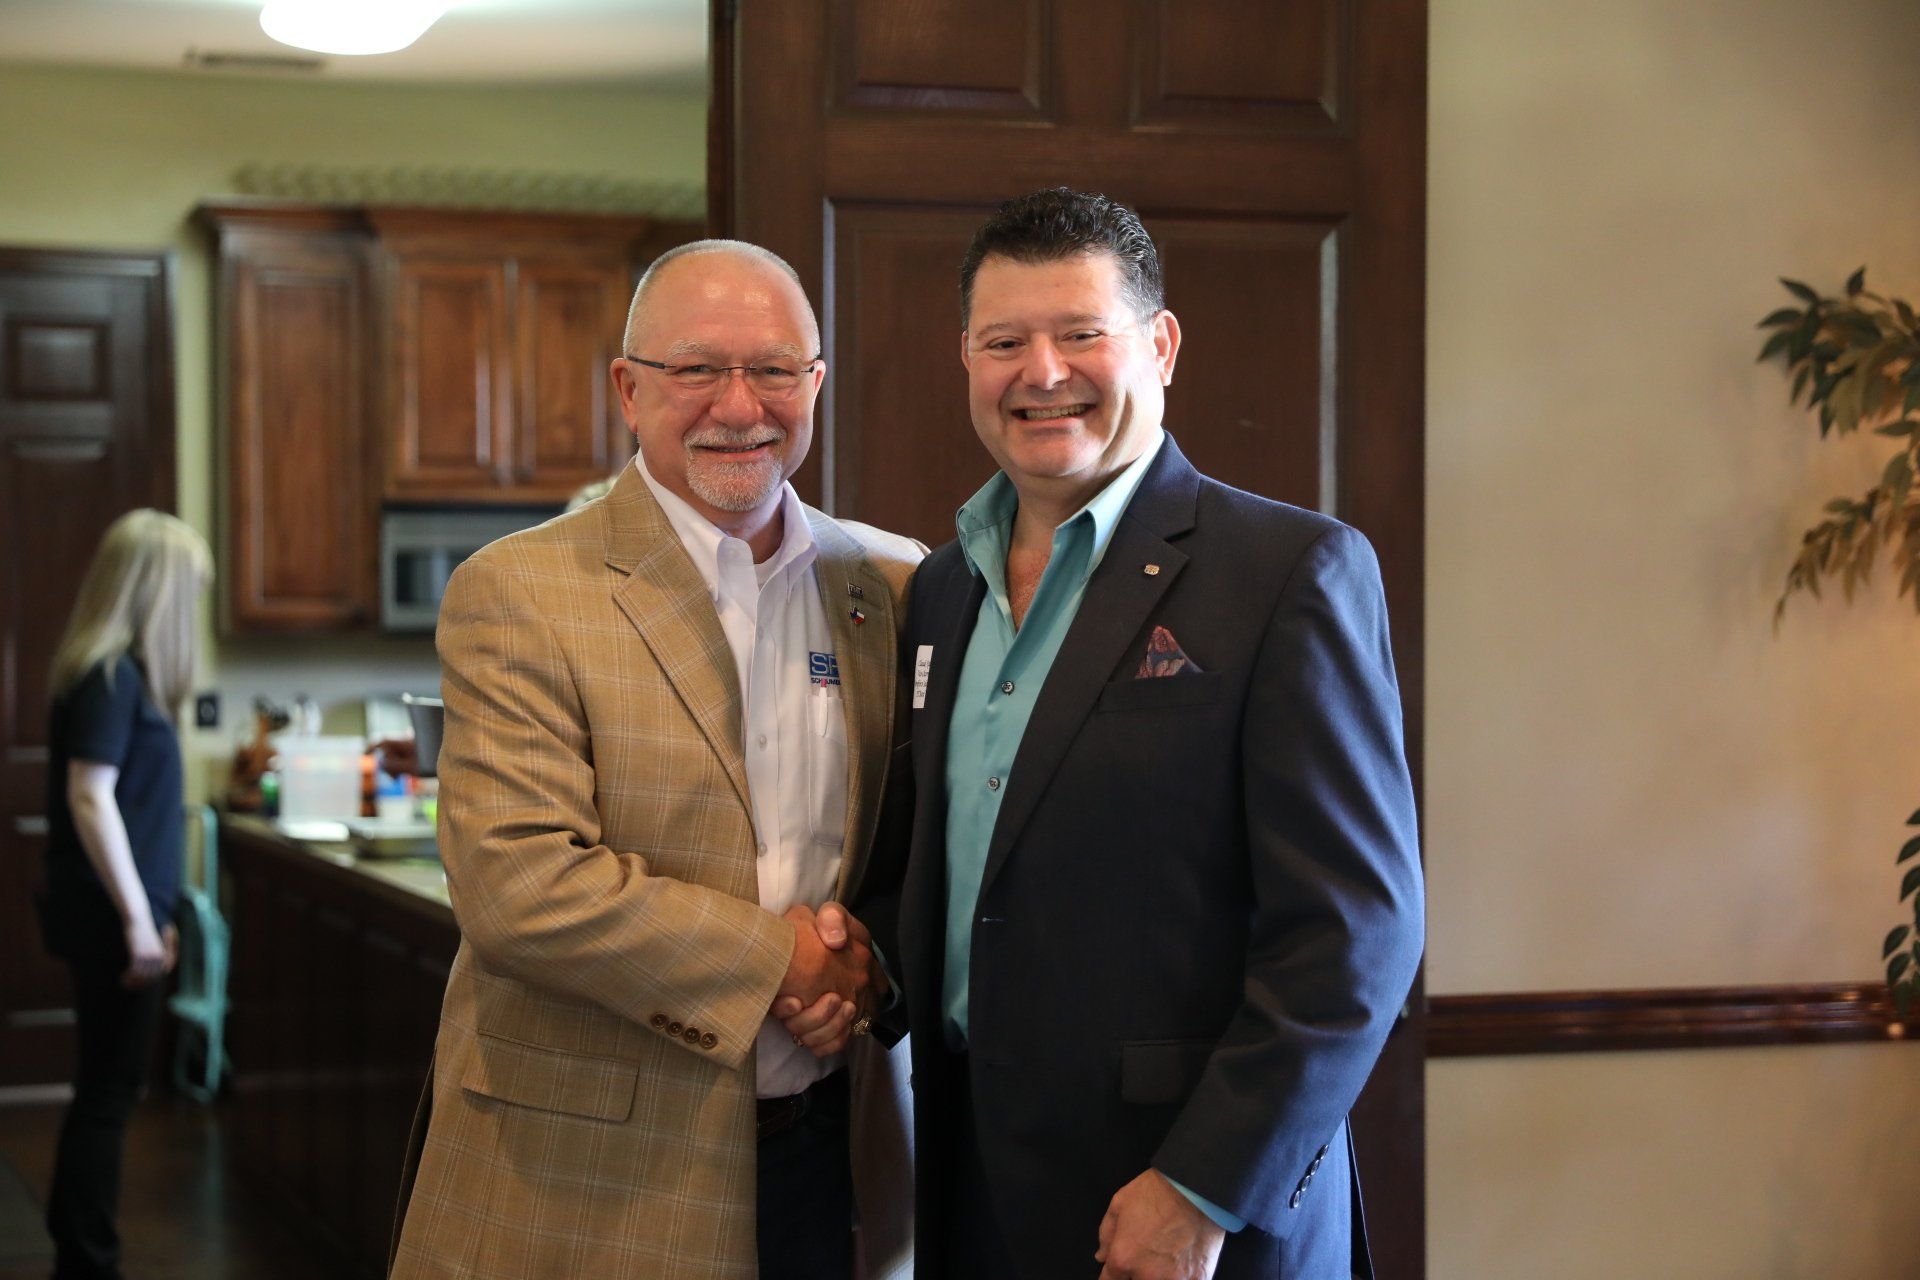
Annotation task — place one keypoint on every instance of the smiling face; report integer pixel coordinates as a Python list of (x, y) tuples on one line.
[(725, 450), (1066, 383)]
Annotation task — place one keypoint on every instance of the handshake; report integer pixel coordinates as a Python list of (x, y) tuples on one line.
[(832, 984)]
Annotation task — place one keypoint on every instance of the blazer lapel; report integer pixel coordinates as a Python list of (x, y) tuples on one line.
[(866, 653), (1120, 597), (665, 598)]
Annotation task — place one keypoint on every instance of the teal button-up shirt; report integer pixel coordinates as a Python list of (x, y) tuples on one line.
[(1000, 680)]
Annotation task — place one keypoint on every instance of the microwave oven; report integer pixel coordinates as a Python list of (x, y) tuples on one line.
[(420, 549)]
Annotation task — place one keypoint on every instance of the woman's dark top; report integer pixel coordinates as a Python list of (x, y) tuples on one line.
[(115, 723)]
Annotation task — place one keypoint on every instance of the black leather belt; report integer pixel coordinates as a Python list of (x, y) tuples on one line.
[(777, 1114)]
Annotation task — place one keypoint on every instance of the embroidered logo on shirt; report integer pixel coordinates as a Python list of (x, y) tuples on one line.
[(823, 669)]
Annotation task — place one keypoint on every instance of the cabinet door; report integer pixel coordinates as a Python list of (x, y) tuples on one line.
[(567, 322), (298, 522), (450, 402)]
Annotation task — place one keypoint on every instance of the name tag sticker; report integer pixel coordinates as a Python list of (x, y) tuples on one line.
[(922, 668)]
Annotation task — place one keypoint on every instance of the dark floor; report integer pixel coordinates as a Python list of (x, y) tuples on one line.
[(185, 1213)]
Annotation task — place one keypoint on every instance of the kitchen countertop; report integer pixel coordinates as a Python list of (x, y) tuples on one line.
[(421, 879)]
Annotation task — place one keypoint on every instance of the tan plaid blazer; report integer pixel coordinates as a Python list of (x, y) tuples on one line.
[(593, 1093)]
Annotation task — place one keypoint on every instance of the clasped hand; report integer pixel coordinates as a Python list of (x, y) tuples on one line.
[(832, 980)]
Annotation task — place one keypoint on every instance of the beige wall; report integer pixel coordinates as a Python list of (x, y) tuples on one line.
[(111, 159), (1629, 780)]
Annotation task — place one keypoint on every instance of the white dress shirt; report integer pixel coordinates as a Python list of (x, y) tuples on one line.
[(795, 733)]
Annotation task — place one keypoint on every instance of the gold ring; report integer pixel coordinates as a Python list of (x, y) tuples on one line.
[(861, 1025)]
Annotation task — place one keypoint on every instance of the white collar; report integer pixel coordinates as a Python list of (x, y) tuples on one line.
[(706, 542)]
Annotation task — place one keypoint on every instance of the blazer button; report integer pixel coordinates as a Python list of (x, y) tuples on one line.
[(659, 1019), (1320, 1154), (674, 1028), (691, 1035), (709, 1040), (1293, 1201)]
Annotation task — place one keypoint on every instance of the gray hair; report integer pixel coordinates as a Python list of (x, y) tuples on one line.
[(738, 249)]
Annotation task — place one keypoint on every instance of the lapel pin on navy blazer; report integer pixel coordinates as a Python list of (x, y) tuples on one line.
[(1149, 955)]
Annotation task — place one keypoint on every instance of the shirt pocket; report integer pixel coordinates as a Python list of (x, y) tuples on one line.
[(827, 764)]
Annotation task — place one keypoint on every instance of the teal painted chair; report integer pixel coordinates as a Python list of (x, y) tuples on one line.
[(200, 997)]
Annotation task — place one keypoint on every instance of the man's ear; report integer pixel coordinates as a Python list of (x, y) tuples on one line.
[(1166, 344), (966, 352), (624, 386)]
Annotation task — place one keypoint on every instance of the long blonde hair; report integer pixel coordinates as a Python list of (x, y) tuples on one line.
[(139, 597)]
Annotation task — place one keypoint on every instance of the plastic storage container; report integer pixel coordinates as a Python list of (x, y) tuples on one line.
[(319, 776)]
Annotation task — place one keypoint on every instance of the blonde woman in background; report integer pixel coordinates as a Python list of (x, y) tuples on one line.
[(116, 849)]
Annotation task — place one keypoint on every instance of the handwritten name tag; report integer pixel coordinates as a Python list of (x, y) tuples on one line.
[(922, 668)]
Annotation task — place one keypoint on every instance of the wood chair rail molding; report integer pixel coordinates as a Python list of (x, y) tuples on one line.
[(1660, 1018)]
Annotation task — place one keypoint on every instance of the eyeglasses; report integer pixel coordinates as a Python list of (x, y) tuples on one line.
[(768, 381)]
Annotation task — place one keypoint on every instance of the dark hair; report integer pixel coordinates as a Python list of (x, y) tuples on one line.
[(1059, 223)]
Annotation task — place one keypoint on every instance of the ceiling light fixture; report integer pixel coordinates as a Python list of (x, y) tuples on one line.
[(350, 26)]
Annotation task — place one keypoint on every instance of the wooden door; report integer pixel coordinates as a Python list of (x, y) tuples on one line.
[(297, 516), (1275, 149), (449, 374), (568, 317), (86, 433)]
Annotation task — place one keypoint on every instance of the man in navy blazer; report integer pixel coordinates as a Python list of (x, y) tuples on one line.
[(1163, 899)]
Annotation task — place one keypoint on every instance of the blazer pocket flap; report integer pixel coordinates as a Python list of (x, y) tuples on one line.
[(1161, 691), (530, 1076), (1158, 1072)]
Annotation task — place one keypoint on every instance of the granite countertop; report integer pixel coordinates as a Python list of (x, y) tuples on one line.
[(330, 842)]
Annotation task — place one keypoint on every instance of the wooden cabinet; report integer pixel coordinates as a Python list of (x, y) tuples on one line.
[(502, 331), (297, 523), (336, 985), (408, 355)]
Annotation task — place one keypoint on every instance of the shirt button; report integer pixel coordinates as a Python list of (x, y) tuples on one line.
[(993, 784), (761, 742), (763, 848), (1006, 686)]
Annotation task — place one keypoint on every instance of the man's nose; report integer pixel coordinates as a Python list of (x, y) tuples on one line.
[(735, 401), (1044, 367)]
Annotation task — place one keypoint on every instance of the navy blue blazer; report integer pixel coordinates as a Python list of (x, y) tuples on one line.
[(1201, 910)]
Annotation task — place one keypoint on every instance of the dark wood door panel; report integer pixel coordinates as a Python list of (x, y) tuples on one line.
[(902, 448), (1284, 68), (1255, 395), (86, 433), (974, 57)]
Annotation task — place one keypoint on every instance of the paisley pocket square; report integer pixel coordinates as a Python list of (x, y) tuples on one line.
[(1165, 657)]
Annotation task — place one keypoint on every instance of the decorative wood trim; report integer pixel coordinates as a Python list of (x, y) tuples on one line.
[(1659, 1018)]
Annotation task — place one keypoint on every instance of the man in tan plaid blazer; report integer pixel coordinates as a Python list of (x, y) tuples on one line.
[(599, 1104)]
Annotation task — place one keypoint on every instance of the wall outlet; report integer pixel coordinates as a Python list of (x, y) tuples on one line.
[(206, 711)]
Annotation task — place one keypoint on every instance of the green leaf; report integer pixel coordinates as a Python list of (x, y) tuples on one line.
[(1902, 999), (1897, 966), (1856, 282), (1907, 850), (1894, 430), (1800, 383), (1913, 821), (1894, 939), (1799, 290), (1909, 883), (1907, 317), (1785, 315), (1773, 346)]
